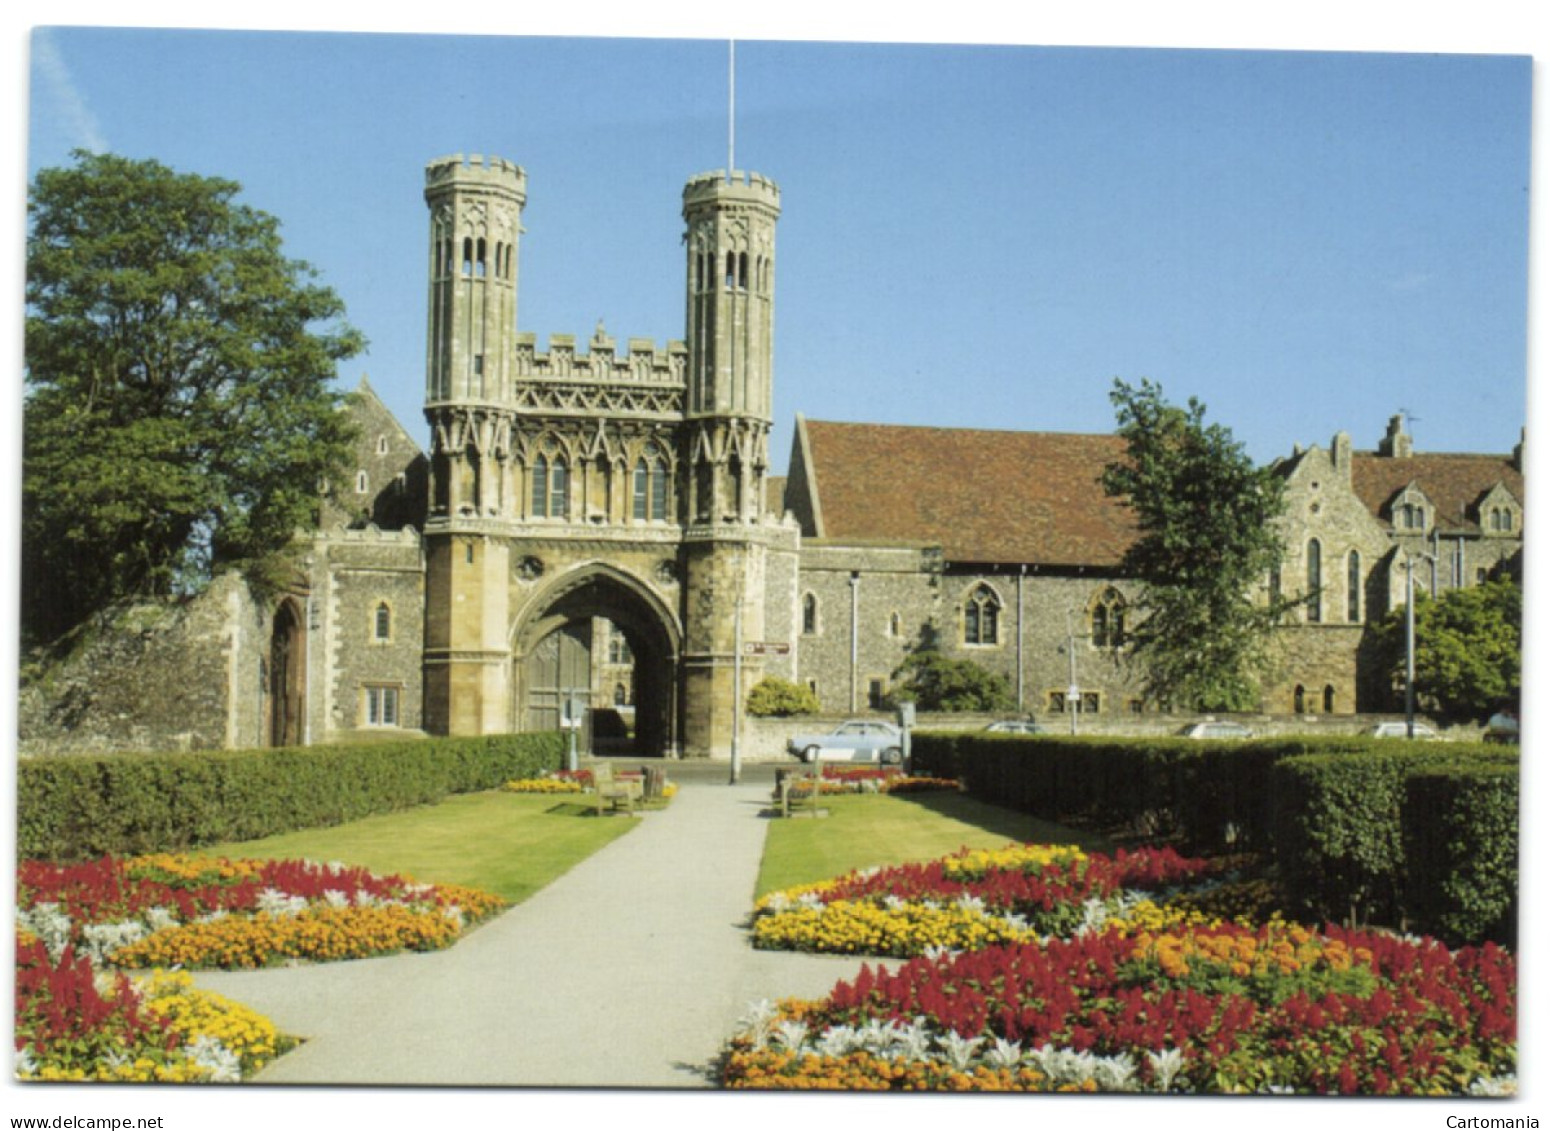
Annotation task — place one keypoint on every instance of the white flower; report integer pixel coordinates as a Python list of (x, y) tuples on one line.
[(159, 918), (790, 1034), (837, 1041), (1166, 1065), (278, 903), (98, 940), (224, 1066), (336, 898), (455, 913), (1004, 1053), (757, 1023), (1495, 1086), (1115, 1073), (958, 1050), (24, 1063)]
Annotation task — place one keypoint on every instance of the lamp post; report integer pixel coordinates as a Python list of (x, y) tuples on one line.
[(1073, 691), (1410, 638)]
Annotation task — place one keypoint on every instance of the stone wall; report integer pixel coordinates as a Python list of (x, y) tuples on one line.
[(182, 675)]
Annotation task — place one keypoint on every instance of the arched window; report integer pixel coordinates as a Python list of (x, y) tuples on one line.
[(1299, 700), (621, 696), (742, 270), (895, 625), (731, 269), (1329, 699), (362, 484), (382, 445), (641, 491), (1315, 581), (540, 487), (479, 259), (382, 623), (1107, 619), (981, 614), (809, 614), (559, 489), (1353, 588), (468, 255), (658, 489)]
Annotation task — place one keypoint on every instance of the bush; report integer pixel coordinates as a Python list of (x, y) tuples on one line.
[(78, 808), (773, 697), (1461, 847), (933, 682), (1339, 837)]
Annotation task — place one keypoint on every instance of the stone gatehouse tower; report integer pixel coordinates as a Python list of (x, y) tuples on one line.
[(575, 490)]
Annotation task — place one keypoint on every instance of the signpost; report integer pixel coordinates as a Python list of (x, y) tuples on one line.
[(574, 706)]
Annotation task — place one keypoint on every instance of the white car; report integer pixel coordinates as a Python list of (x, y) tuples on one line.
[(1016, 726), (1398, 730), (858, 740), (1215, 729)]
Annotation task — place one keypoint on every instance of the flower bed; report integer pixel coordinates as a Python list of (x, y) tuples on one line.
[(573, 781), (74, 1023), (866, 779), (1042, 968), (190, 911)]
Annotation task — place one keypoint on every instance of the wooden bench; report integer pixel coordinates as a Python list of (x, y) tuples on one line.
[(811, 782), (613, 793)]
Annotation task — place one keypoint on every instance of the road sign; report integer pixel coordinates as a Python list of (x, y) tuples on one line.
[(763, 648)]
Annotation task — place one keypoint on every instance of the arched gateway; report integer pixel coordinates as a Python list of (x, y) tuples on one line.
[(556, 649), (570, 490)]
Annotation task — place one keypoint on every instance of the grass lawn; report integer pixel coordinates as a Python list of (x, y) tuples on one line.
[(510, 844), (864, 830)]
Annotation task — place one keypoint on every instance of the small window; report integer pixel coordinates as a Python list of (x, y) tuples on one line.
[(381, 705), (621, 695), (874, 694), (1353, 588), (382, 623), (382, 445), (809, 614), (1315, 582), (1329, 699), (895, 625), (981, 613), (1299, 700), (1090, 702), (362, 483)]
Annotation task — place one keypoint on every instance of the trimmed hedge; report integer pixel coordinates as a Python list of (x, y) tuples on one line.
[(1461, 839), (1358, 828), (1208, 795), (77, 808), (1340, 843)]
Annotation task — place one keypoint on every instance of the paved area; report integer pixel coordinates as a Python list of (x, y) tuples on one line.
[(629, 971)]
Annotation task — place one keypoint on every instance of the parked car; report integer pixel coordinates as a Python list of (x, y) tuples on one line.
[(1016, 726), (1502, 727), (1212, 728), (858, 740), (1399, 730)]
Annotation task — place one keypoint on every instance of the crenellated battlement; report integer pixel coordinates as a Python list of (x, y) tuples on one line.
[(642, 363), (740, 186), (476, 169)]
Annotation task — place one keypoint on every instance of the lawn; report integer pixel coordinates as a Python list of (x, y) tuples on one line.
[(509, 844), (866, 830)]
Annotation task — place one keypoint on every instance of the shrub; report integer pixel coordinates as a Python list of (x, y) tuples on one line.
[(773, 697), (78, 808), (934, 682), (1460, 831)]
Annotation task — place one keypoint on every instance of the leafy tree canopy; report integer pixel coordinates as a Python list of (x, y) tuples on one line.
[(1207, 518), (1468, 649), (934, 682), (179, 406)]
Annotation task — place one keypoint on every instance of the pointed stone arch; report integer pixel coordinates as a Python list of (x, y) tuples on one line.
[(286, 685)]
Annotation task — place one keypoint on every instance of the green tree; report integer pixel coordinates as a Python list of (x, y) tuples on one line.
[(934, 682), (179, 412), (1468, 649), (773, 697), (1207, 520)]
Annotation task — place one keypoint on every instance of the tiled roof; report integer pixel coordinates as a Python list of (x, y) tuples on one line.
[(994, 497), (1454, 483)]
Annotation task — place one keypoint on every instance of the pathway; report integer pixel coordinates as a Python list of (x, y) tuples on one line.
[(631, 971)]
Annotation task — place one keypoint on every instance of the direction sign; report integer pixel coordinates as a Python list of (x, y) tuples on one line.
[(765, 648)]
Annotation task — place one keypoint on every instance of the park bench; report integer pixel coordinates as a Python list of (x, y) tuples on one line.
[(799, 789), (614, 793)]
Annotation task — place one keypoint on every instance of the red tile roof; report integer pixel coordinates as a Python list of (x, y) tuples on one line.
[(995, 497), (1454, 483)]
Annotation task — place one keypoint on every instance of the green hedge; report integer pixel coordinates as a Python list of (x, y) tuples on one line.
[(1339, 836), (1461, 842), (1358, 828), (1208, 795), (75, 808)]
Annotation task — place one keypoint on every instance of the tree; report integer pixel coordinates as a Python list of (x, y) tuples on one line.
[(934, 682), (1207, 518), (179, 412), (1468, 649)]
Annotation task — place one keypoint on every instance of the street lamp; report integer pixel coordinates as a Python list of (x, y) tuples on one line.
[(1073, 691), (1410, 638)]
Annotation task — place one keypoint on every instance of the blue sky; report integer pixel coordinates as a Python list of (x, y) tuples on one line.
[(972, 236)]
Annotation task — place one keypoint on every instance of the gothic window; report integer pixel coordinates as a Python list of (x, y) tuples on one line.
[(381, 705), (699, 272), (540, 487), (382, 623), (731, 269), (642, 488), (1412, 516), (659, 489), (1315, 582), (559, 484), (1108, 619), (809, 614), (981, 613), (479, 259), (621, 695), (1353, 588), (742, 270), (468, 255), (619, 648)]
